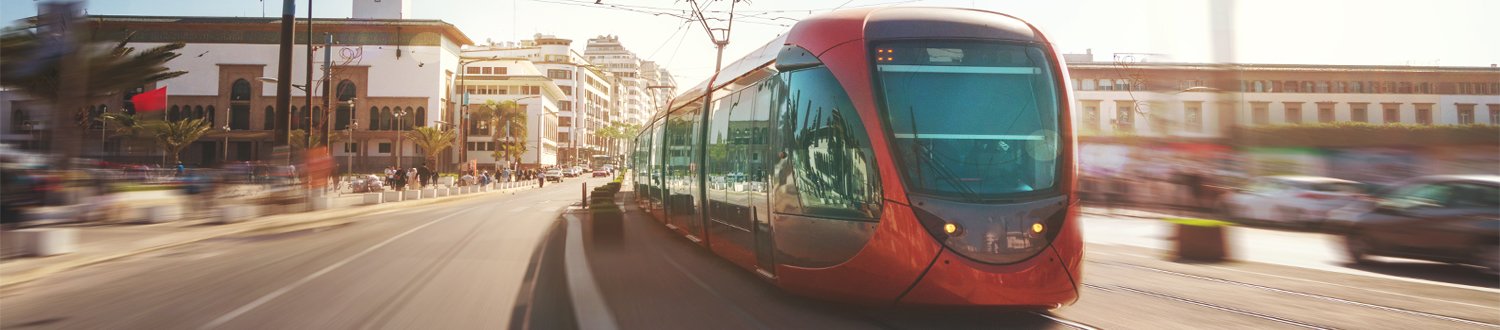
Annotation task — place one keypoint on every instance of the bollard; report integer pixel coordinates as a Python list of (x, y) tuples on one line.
[(583, 190), (373, 198), (1200, 239), (234, 213), (161, 213), (43, 242), (411, 195), (390, 196)]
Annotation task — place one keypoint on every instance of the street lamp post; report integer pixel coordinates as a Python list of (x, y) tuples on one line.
[(397, 149), (349, 134), (226, 142)]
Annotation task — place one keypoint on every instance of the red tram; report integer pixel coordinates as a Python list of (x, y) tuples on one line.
[(914, 156)]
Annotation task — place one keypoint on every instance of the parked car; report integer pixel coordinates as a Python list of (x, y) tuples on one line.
[(601, 173), (553, 175), (1449, 218), (1303, 200), (367, 183)]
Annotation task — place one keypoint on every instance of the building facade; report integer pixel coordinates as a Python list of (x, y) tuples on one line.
[(587, 99), (387, 76), (1142, 119), (640, 85), (1205, 100)]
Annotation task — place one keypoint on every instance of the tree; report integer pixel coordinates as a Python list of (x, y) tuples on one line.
[(172, 136), (616, 132), (35, 67), (507, 118), (432, 140), (122, 124), (298, 139)]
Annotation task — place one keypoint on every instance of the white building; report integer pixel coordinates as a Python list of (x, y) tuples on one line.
[(497, 79), (634, 104), (587, 91), (381, 68)]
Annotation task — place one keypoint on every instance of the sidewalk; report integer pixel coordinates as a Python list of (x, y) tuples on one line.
[(104, 242)]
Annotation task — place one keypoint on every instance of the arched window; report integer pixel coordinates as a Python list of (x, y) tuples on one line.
[(239, 91), (318, 118), (406, 125), (374, 121), (421, 116), (270, 121), (344, 114), (198, 112), (346, 90), (297, 118), (210, 112), (173, 113), (386, 119)]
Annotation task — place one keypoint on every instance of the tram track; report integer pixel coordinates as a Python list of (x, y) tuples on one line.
[(1321, 297)]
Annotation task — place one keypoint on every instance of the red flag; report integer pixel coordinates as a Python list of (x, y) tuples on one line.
[(153, 100)]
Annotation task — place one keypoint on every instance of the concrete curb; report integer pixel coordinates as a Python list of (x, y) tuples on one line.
[(264, 225)]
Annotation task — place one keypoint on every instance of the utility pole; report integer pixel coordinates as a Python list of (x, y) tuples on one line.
[(327, 125), (283, 73), (308, 92)]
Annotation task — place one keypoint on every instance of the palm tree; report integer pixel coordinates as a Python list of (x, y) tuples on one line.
[(172, 136), (618, 131), (124, 125), (298, 139), (35, 68), (432, 140), (504, 117)]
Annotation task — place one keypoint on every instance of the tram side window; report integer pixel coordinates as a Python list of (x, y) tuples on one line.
[(832, 162)]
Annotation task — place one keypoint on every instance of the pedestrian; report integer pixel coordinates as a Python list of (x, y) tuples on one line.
[(541, 180), (180, 168), (411, 179), (422, 175)]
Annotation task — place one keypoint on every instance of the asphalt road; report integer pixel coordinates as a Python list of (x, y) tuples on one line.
[(466, 265), (659, 280), (454, 265)]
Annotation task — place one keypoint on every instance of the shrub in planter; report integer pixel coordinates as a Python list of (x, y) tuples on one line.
[(606, 221)]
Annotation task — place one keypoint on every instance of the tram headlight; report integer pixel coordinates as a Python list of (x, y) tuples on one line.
[(952, 229), (996, 240)]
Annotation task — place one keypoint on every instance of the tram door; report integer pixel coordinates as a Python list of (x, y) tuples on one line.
[(760, 157)]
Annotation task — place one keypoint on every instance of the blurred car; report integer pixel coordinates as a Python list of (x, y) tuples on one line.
[(600, 173), (553, 175), (367, 183), (1449, 218), (1291, 199)]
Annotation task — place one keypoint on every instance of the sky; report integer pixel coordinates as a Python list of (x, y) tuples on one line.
[(1363, 32)]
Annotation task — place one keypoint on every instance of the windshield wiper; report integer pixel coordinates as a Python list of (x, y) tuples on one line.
[(943, 172)]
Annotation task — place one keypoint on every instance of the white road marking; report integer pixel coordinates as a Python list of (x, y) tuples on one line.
[(1353, 287), (588, 304), (1075, 325), (270, 296)]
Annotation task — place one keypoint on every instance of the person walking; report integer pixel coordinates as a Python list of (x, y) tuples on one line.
[(541, 180)]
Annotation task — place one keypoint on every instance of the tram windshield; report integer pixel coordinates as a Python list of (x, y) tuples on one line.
[(971, 120)]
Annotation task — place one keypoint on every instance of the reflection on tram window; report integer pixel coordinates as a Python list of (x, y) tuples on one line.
[(830, 152)]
